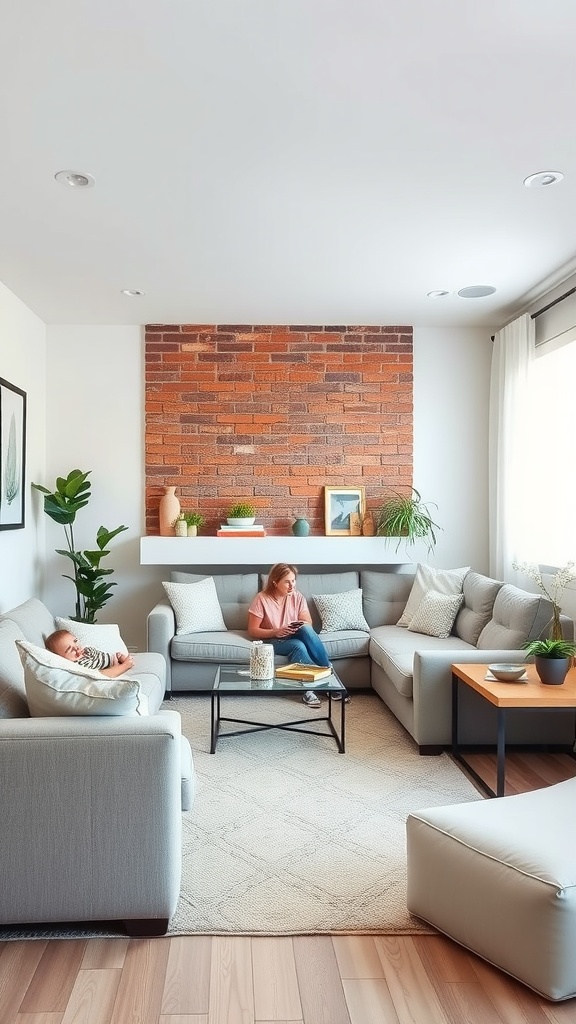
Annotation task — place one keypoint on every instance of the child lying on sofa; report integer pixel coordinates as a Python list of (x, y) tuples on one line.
[(65, 644)]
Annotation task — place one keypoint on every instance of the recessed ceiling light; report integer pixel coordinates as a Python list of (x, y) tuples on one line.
[(476, 291), (436, 294), (74, 179), (543, 178), (132, 292)]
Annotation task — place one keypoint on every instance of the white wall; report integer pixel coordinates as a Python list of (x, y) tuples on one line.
[(99, 427), (22, 362), (451, 391)]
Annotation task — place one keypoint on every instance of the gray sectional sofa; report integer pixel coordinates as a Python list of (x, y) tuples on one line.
[(90, 807), (410, 671)]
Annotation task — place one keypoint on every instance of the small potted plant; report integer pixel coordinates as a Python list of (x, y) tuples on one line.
[(193, 521), (552, 659), (242, 513), (408, 518)]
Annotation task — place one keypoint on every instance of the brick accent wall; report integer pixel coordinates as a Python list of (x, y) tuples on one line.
[(273, 414)]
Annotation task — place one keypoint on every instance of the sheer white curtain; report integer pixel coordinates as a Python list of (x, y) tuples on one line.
[(508, 446)]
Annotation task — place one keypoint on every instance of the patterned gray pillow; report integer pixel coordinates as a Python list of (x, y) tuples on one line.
[(436, 613), (341, 611)]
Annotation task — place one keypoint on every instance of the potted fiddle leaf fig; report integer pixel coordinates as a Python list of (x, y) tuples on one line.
[(408, 518), (552, 659), (93, 591)]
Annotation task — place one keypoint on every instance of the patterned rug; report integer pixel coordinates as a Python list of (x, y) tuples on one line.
[(289, 837)]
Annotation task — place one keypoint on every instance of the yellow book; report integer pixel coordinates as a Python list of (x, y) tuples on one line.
[(305, 673)]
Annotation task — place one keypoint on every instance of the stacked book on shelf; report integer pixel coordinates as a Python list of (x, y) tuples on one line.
[(257, 530)]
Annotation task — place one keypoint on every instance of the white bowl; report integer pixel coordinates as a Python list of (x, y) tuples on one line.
[(507, 672), (248, 521)]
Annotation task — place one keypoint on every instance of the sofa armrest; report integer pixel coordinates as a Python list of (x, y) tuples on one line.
[(161, 628), (432, 689), (91, 818)]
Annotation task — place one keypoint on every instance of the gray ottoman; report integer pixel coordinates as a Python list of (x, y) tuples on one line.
[(499, 877)]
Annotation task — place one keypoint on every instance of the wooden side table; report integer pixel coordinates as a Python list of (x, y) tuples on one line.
[(529, 696)]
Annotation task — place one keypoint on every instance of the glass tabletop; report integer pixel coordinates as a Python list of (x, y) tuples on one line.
[(236, 679)]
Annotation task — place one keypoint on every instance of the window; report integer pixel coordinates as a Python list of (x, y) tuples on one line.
[(547, 532)]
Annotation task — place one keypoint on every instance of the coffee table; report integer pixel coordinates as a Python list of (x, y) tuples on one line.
[(528, 696), (235, 681)]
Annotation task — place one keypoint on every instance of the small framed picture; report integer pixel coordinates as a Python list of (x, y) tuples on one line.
[(12, 456), (339, 504)]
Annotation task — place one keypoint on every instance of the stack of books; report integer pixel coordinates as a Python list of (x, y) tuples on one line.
[(257, 530), (305, 673)]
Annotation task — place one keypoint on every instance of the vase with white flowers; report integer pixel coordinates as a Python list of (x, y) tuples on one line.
[(553, 589)]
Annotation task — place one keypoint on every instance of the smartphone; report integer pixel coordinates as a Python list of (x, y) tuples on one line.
[(297, 624)]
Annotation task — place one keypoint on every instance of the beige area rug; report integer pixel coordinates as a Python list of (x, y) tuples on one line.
[(287, 836)]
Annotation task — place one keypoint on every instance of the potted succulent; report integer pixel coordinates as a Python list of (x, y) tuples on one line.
[(242, 513), (193, 521), (552, 659), (407, 517)]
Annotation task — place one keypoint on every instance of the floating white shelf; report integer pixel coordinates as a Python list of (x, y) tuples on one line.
[(334, 551)]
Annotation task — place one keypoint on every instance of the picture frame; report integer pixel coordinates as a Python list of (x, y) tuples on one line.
[(12, 456), (339, 502)]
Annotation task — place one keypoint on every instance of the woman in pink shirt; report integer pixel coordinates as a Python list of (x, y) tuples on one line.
[(279, 615)]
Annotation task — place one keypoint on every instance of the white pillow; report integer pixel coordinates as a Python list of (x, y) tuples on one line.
[(91, 634), (341, 611), (196, 607), (444, 581), (436, 613), (57, 687)]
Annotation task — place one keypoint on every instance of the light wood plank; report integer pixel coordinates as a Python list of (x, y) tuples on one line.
[(559, 1013), (139, 995), (231, 991), (321, 991), (443, 959), (276, 993), (103, 953), (18, 965), (92, 998), (187, 984), (183, 1018), (412, 992), (357, 956), (37, 1018), (54, 979), (369, 1001), (515, 1003)]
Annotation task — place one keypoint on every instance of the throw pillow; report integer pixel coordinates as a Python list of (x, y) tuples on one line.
[(436, 613), (196, 607), (91, 634), (57, 687), (444, 581), (341, 611)]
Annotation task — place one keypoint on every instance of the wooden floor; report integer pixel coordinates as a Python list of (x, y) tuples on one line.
[(301, 980)]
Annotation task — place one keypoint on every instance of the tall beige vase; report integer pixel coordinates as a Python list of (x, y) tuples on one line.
[(168, 511)]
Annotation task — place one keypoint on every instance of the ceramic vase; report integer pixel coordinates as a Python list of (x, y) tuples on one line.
[(180, 528), (192, 531), (368, 527), (168, 511), (300, 527)]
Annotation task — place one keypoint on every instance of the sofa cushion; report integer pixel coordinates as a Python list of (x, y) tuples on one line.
[(34, 619), (476, 611), (341, 611), (212, 647), (12, 691), (444, 581), (196, 606), (235, 594), (104, 637), (384, 595), (56, 687), (393, 649), (517, 617), (310, 583), (346, 643), (436, 613)]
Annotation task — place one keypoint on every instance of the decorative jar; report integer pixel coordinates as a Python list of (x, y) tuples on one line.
[(300, 527), (261, 660)]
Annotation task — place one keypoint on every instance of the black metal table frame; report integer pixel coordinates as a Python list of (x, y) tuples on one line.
[(500, 740), (296, 726)]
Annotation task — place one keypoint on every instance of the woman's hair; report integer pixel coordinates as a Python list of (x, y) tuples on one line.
[(277, 573)]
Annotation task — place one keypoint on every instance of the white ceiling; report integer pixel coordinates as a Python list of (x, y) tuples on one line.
[(285, 161)]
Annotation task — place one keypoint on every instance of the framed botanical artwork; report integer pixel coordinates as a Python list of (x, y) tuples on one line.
[(12, 456), (339, 503)]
